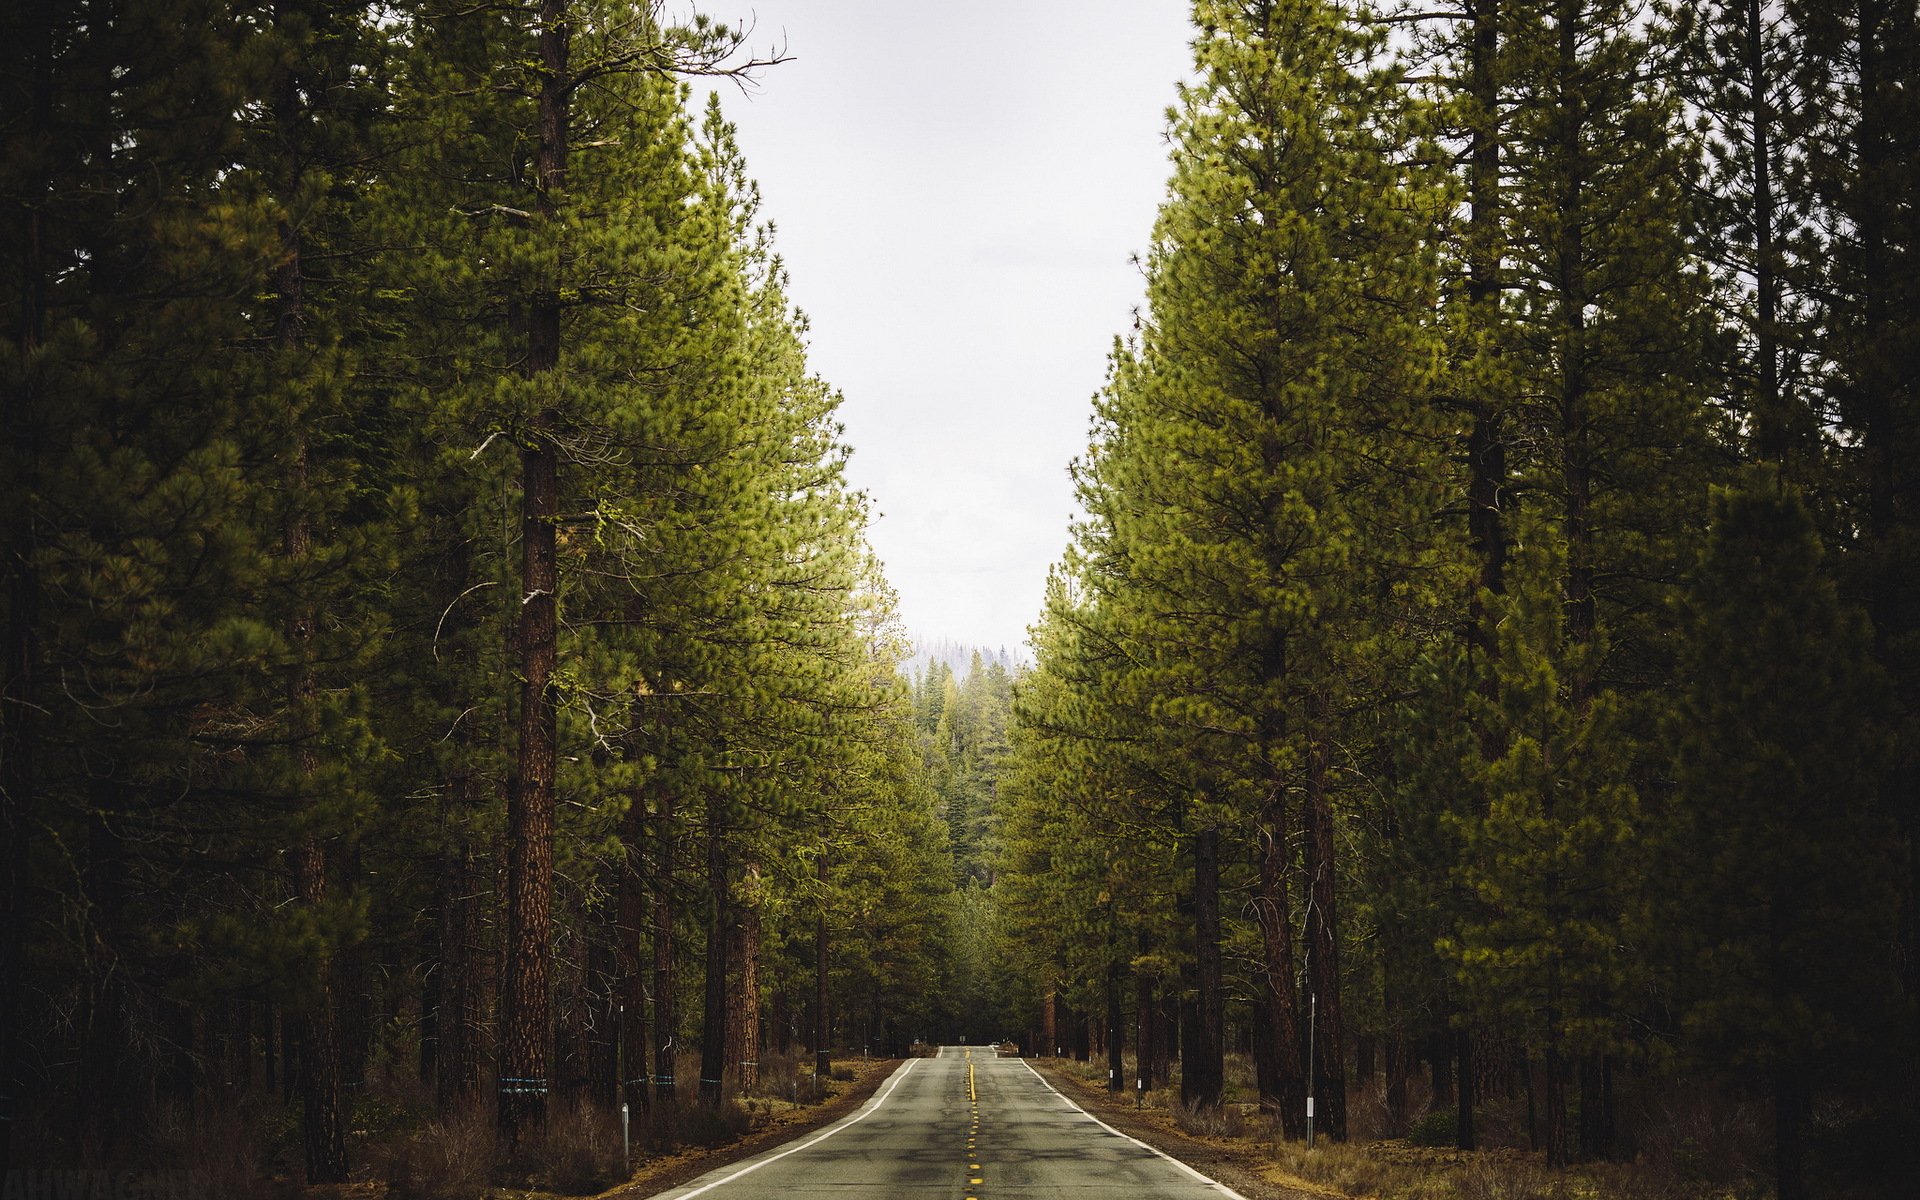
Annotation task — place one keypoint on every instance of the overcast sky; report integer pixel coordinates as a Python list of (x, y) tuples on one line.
[(959, 188)]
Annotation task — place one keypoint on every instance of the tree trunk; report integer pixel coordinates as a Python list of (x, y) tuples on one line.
[(1323, 945), (630, 984), (1463, 1136), (743, 1014), (713, 1017), (321, 1115), (526, 1016), (322, 1120), (1050, 1024), (1203, 1065), (1282, 1000), (1440, 1059), (1486, 446), (666, 1007)]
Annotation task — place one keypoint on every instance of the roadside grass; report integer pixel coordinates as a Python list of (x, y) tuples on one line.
[(1691, 1145), (402, 1151)]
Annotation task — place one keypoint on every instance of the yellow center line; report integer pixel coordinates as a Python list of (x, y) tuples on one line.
[(971, 1094)]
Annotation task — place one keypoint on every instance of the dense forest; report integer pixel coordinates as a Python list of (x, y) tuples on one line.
[(1489, 652), (441, 644), (446, 678)]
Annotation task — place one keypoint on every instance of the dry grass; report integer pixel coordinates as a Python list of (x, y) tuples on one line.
[(450, 1159), (1398, 1169)]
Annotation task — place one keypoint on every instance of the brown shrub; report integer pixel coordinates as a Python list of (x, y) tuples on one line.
[(450, 1159)]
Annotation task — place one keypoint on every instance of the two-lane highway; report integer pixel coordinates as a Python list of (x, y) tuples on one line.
[(963, 1126)]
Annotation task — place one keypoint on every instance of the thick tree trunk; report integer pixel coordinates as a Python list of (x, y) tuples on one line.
[(713, 1017), (1050, 1025), (1203, 1065), (1289, 1094), (1463, 1132), (1486, 445), (1323, 939), (1396, 1046), (526, 1016), (666, 1007), (322, 1118), (1116, 1028), (743, 1012), (1440, 1056)]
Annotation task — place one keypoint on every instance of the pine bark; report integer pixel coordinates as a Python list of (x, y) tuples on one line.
[(713, 1017), (666, 1006), (630, 983), (322, 1120), (1203, 1065), (743, 1012), (1486, 445), (526, 1017)]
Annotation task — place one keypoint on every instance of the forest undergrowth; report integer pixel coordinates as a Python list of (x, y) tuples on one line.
[(1691, 1144)]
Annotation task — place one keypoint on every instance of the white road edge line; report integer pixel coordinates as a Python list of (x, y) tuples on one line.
[(1222, 1188), (845, 1123)]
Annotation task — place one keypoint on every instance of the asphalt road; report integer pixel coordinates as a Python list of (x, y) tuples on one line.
[(963, 1126)]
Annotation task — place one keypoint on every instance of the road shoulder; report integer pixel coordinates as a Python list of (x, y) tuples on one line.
[(675, 1170), (1233, 1163)]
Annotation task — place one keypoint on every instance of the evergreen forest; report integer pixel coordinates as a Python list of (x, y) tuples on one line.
[(449, 697)]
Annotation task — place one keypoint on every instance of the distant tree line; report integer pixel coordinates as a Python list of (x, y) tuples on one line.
[(439, 638), (1494, 638)]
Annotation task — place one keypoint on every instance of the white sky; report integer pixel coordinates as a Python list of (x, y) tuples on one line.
[(958, 187)]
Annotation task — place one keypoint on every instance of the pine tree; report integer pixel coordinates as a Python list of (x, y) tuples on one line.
[(1787, 862)]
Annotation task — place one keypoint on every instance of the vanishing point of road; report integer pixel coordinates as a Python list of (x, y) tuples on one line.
[(963, 1126)]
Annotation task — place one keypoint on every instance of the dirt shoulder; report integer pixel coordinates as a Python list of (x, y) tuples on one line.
[(1239, 1163), (783, 1123)]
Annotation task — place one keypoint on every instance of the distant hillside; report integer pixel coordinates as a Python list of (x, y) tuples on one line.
[(957, 655)]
